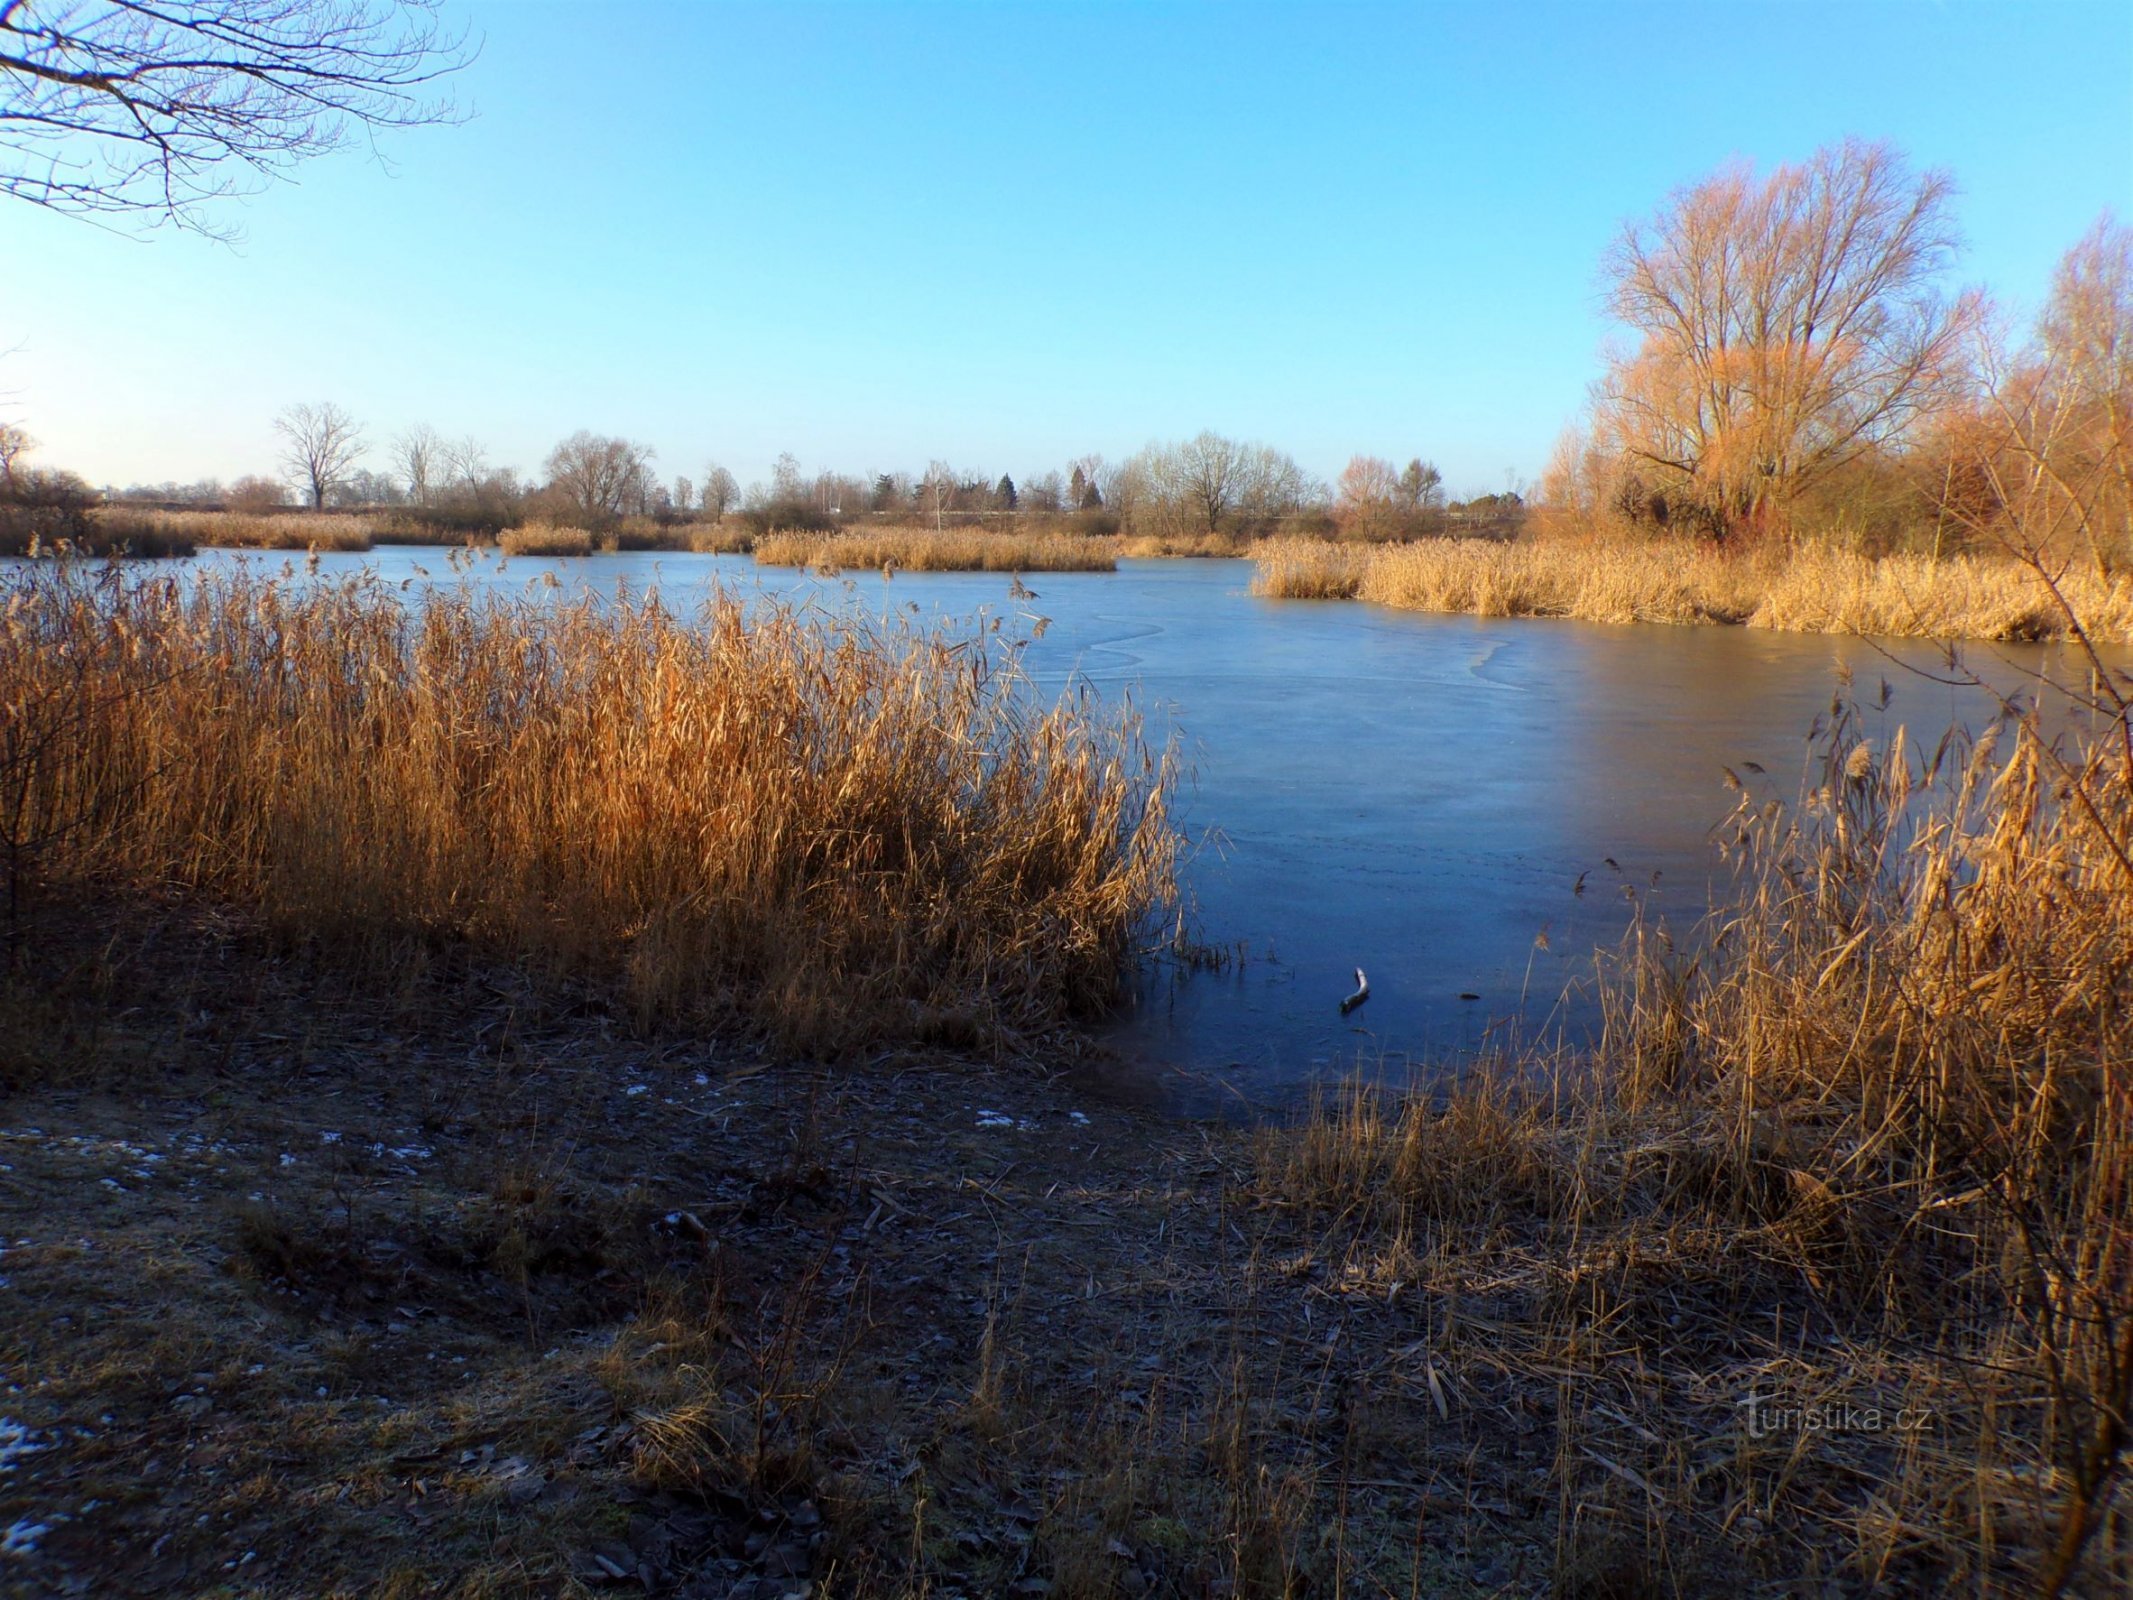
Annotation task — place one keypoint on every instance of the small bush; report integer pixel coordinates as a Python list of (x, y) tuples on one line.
[(41, 508)]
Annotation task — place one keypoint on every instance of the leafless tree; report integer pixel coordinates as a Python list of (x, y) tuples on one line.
[(419, 455), (149, 110), (1786, 326), (2054, 446), (1045, 493), (1210, 474), (721, 493), (257, 493), (938, 489), (15, 443), (466, 463), (602, 477), (319, 444)]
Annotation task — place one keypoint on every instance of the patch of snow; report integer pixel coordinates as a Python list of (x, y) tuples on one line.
[(21, 1537), (15, 1443)]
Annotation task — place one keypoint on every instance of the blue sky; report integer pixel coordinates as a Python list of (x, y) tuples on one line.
[(874, 234)]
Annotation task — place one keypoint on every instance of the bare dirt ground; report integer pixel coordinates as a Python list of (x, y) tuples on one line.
[(313, 1292)]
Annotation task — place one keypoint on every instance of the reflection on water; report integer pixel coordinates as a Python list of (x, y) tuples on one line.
[(1416, 795)]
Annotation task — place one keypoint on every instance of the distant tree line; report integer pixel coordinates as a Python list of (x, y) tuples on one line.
[(1206, 486)]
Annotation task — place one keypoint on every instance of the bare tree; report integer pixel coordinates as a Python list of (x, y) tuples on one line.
[(466, 463), (601, 476), (939, 489), (147, 109), (319, 444), (1787, 325), (419, 455), (1368, 502), (15, 443), (1045, 493), (1210, 474), (1421, 486), (257, 493), (721, 493), (2054, 448)]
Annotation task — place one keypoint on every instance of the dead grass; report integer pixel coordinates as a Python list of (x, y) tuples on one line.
[(923, 550), (237, 530), (720, 538), (1807, 589), (545, 539), (1156, 545), (832, 831), (1859, 1151)]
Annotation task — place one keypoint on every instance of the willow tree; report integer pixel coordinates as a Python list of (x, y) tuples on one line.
[(1786, 325)]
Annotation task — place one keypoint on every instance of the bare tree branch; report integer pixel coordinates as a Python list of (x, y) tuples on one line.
[(144, 111)]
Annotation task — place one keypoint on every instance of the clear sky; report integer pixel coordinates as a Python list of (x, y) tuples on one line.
[(1004, 235)]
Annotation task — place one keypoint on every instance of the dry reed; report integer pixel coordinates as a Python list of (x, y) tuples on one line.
[(1808, 589), (240, 530), (923, 550), (1867, 1141), (1152, 546), (836, 831), (720, 538), (545, 539)]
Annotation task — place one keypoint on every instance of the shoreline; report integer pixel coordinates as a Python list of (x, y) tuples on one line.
[(1808, 590)]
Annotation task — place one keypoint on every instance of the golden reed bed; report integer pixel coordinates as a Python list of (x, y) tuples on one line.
[(1808, 590), (246, 530), (923, 550), (834, 831), (1860, 1148)]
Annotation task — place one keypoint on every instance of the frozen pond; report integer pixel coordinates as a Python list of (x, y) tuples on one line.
[(1416, 795)]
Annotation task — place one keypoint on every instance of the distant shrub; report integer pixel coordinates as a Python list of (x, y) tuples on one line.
[(464, 516), (1317, 524), (42, 507), (256, 495), (648, 533), (786, 516), (137, 533)]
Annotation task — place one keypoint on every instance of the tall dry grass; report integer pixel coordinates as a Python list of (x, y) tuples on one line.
[(545, 539), (241, 530), (1865, 1142), (1807, 589), (835, 831), (924, 550), (720, 538), (1155, 546)]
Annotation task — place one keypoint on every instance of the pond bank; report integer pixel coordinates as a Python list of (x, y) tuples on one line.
[(459, 1289), (1804, 590)]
